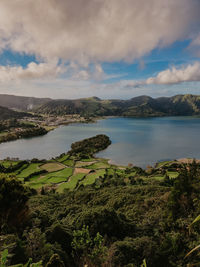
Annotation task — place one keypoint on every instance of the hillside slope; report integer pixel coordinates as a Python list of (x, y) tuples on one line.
[(21, 102), (6, 114), (142, 106)]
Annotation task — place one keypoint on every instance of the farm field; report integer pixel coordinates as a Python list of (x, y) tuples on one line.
[(52, 166), (69, 173)]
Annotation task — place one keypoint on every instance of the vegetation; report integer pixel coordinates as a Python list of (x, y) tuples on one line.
[(87, 147), (12, 127), (142, 106), (6, 113), (21, 102), (105, 215)]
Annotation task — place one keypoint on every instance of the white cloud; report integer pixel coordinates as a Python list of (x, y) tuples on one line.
[(83, 33), (195, 45), (32, 71), (82, 75), (73, 89), (189, 73), (91, 72), (94, 30)]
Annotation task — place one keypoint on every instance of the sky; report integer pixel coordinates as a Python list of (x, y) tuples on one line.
[(105, 48)]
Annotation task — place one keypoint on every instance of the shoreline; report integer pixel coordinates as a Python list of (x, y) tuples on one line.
[(110, 160)]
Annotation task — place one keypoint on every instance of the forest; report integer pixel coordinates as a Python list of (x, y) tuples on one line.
[(123, 216)]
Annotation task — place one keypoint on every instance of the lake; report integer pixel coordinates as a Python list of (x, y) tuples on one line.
[(141, 141)]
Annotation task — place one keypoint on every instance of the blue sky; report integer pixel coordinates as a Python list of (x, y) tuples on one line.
[(102, 52)]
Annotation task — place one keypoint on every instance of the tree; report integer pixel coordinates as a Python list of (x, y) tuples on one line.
[(13, 199), (88, 249)]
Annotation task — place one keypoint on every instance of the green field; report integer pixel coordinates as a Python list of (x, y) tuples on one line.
[(90, 178), (50, 178), (98, 165), (69, 162), (9, 163), (67, 172), (32, 168), (62, 158), (84, 164), (71, 184), (60, 173)]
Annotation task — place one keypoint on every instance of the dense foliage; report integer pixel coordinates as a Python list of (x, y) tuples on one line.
[(104, 217), (21, 102), (6, 113), (87, 147), (13, 199), (142, 106), (110, 223), (23, 132)]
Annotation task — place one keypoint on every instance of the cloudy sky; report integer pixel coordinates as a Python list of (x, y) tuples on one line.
[(104, 48)]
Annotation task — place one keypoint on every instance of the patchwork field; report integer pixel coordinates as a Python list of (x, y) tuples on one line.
[(69, 173), (52, 166)]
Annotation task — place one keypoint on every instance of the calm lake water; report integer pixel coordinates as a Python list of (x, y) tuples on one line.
[(138, 141)]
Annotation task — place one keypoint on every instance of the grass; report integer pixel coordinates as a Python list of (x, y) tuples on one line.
[(71, 184), (172, 174), (110, 171), (35, 182), (69, 162), (88, 160), (131, 174), (8, 163), (50, 178), (84, 164), (37, 185), (65, 173), (90, 178), (57, 179), (63, 158), (60, 172), (165, 163), (157, 178), (24, 166), (53, 166), (98, 165), (120, 172), (32, 168)]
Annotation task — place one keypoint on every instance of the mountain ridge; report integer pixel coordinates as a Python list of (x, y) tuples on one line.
[(140, 106)]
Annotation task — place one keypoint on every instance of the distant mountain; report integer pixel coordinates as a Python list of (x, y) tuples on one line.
[(21, 102), (84, 107), (6, 114), (142, 106)]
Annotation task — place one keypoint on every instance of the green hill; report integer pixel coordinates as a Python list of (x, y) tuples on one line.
[(69, 210), (6, 114), (142, 106), (21, 102)]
